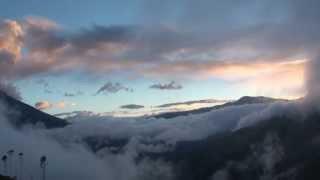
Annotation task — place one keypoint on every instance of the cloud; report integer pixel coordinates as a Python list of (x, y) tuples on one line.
[(29, 141), (42, 35), (78, 93), (131, 106), (212, 49), (61, 105), (134, 49), (136, 110), (66, 157), (102, 36), (189, 103), (69, 94), (43, 82), (43, 105), (10, 90), (67, 152), (6, 58), (181, 128), (47, 88), (313, 79), (11, 34), (169, 86), (74, 114), (256, 76), (111, 87), (282, 80)]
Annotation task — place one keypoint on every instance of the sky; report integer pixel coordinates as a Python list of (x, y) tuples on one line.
[(103, 55)]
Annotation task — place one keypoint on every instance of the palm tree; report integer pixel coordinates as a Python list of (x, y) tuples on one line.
[(4, 160), (20, 177), (10, 153), (43, 164)]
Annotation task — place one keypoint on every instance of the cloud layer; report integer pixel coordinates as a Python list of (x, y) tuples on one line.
[(71, 160), (69, 156), (243, 45), (158, 49)]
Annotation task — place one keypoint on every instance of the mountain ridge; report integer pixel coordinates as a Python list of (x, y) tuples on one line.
[(241, 101), (22, 114)]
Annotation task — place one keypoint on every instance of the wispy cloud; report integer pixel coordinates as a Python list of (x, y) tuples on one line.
[(189, 103), (43, 82), (111, 87), (74, 114), (167, 86), (131, 106), (70, 94)]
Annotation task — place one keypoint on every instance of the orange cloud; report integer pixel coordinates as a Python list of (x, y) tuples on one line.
[(283, 80), (238, 71), (11, 35), (278, 78), (102, 50), (44, 105)]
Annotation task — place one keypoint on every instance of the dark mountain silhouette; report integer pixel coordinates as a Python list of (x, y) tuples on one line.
[(20, 114), (5, 177), (241, 101)]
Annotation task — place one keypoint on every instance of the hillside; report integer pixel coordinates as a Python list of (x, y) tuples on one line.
[(284, 147), (21, 114)]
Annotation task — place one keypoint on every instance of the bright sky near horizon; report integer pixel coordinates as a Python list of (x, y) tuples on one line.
[(99, 55)]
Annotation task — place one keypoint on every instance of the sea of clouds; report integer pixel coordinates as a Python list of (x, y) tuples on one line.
[(69, 157)]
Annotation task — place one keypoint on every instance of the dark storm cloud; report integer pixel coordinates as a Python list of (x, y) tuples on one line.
[(167, 86), (111, 87)]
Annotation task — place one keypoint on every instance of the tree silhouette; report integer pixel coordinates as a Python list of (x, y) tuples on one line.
[(20, 177), (4, 161), (11, 166), (43, 165)]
